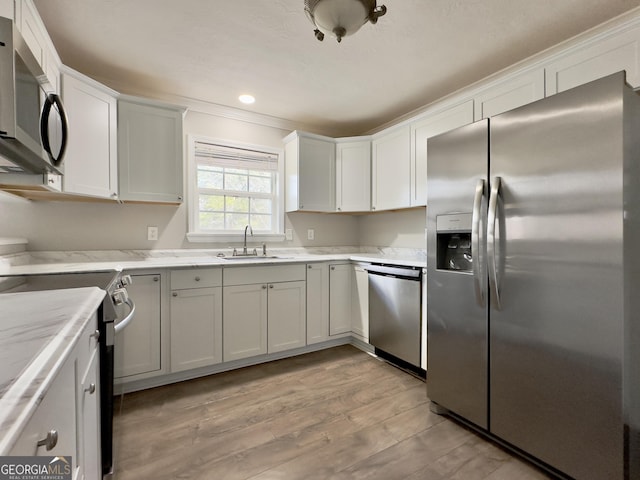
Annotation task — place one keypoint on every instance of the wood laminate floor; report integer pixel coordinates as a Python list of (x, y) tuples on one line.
[(333, 414)]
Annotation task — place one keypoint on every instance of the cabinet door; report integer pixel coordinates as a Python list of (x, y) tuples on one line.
[(286, 316), (310, 165), (596, 60), (524, 88), (89, 461), (196, 328), (90, 163), (150, 153), (421, 131), (57, 411), (360, 302), (340, 298), (391, 170), (317, 303), (244, 321), (353, 176), (137, 347)]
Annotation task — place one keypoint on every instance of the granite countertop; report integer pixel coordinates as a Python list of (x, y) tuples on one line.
[(38, 331), (68, 262)]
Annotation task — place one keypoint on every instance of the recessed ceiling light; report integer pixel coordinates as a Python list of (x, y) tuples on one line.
[(247, 99)]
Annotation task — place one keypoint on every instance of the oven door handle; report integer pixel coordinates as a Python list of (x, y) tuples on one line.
[(123, 324)]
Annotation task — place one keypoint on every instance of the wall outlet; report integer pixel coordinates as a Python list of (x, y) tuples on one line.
[(311, 234), (288, 234), (152, 233)]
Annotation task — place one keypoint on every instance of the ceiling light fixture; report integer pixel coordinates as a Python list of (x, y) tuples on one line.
[(247, 99), (340, 18)]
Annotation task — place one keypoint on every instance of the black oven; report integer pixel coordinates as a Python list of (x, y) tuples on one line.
[(109, 323)]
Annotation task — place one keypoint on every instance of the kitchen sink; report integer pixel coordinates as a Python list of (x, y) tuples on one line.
[(253, 257)]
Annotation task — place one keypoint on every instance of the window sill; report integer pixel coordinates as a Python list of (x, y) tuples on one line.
[(234, 238)]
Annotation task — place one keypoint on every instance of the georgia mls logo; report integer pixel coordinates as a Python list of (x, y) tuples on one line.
[(35, 468)]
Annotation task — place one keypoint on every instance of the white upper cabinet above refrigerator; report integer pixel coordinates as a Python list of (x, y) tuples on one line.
[(421, 130)]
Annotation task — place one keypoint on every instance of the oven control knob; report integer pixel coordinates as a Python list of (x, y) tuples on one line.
[(126, 280), (120, 296)]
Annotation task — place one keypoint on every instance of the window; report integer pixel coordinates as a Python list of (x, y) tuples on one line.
[(233, 186)]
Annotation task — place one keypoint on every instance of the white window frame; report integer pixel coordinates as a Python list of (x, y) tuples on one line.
[(196, 235)]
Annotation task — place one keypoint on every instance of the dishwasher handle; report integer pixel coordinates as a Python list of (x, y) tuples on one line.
[(409, 273)]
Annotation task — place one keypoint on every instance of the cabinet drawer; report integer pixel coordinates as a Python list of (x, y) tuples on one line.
[(264, 274), (196, 278)]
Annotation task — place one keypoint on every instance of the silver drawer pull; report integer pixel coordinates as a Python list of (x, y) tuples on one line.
[(197, 279), (91, 389), (175, 294), (96, 335), (50, 441), (264, 287)]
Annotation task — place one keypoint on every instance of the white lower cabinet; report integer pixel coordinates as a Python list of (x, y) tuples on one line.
[(67, 420), (340, 279), (360, 302), (137, 347), (286, 316), (196, 328), (196, 318), (244, 320), (317, 302), (264, 310), (89, 460)]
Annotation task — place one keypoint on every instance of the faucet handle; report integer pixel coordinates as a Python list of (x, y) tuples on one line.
[(264, 249)]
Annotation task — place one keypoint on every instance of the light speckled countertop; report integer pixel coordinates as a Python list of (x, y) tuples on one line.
[(38, 330), (66, 262)]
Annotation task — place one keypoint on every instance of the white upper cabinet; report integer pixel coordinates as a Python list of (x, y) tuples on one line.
[(28, 21), (91, 159), (150, 151), (391, 170), (310, 167), (515, 91), (421, 131), (600, 56), (353, 174)]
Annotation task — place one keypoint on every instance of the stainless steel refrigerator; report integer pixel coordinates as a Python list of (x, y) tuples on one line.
[(533, 278)]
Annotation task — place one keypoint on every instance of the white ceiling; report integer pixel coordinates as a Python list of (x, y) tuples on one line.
[(214, 50)]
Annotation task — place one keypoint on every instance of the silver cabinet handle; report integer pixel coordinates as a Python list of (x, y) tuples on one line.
[(491, 243), (333, 268), (309, 267), (91, 389), (175, 294), (475, 242), (50, 441), (95, 335), (155, 279), (271, 286), (264, 287), (197, 279)]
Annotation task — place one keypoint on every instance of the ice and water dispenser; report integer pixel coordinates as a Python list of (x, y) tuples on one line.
[(453, 234)]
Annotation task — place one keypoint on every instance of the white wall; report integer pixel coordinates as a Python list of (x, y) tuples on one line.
[(400, 229)]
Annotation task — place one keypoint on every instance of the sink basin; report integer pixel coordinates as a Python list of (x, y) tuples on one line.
[(253, 257)]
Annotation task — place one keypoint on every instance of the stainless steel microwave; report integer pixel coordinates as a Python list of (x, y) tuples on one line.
[(33, 124)]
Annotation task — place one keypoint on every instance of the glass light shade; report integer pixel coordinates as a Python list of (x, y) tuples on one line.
[(340, 18)]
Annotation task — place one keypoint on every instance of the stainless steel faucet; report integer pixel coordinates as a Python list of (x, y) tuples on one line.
[(244, 248)]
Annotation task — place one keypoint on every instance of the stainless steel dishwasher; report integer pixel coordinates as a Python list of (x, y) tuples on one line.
[(394, 312)]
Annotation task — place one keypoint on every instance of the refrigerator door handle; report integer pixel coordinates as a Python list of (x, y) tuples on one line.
[(492, 218), (475, 243)]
